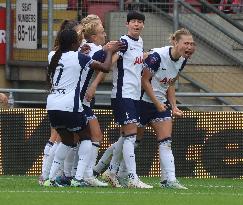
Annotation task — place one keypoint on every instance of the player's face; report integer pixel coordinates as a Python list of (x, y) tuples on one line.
[(100, 35), (79, 30), (135, 27), (185, 47)]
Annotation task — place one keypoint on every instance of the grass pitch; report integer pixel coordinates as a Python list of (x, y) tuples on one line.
[(24, 190)]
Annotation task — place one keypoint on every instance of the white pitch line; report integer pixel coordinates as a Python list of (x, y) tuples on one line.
[(154, 184), (117, 193)]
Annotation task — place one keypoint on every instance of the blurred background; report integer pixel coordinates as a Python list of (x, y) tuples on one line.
[(28, 29), (206, 144)]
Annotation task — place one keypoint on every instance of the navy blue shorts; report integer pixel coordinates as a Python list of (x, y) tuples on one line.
[(149, 113), (125, 110), (89, 112), (72, 121)]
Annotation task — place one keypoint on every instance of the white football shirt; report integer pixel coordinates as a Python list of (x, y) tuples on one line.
[(127, 73), (65, 91), (164, 69), (98, 54)]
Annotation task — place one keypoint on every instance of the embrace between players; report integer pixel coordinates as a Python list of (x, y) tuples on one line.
[(76, 67)]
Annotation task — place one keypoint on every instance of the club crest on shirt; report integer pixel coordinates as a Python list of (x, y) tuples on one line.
[(153, 60)]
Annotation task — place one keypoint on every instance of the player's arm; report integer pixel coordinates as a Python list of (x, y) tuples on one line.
[(145, 55), (106, 65), (119, 54), (172, 99), (115, 58), (146, 77), (90, 93)]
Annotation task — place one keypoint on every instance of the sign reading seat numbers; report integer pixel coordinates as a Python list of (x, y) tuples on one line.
[(26, 24)]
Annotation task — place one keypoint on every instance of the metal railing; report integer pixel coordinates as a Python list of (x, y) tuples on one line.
[(12, 101)]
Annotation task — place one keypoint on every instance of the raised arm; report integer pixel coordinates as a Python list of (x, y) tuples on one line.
[(106, 66)]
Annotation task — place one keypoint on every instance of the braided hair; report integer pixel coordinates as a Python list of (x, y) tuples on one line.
[(66, 39), (66, 24)]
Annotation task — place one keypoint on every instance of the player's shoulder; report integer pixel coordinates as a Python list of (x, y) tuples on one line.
[(163, 52), (51, 54)]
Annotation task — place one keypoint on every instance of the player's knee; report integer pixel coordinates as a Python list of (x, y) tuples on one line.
[(131, 138), (165, 142)]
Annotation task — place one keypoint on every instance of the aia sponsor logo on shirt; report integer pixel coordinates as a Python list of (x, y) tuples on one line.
[(138, 60), (167, 80)]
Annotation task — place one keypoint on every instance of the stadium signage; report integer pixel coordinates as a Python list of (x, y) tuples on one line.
[(2, 36), (26, 24)]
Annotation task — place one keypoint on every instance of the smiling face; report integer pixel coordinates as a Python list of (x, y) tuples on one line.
[(184, 46), (135, 27)]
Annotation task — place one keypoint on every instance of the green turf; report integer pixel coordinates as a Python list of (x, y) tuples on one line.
[(25, 190)]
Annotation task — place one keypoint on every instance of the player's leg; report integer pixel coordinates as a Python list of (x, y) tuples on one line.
[(163, 131), (66, 124), (129, 129), (104, 160), (49, 153), (84, 153), (122, 172), (96, 138)]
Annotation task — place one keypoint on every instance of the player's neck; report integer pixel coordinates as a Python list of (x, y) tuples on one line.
[(132, 36), (175, 54)]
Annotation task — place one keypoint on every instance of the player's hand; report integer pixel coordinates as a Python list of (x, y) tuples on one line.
[(85, 49), (108, 45), (90, 93), (176, 112), (161, 107), (116, 46)]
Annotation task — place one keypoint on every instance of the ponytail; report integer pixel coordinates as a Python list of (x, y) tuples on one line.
[(52, 66)]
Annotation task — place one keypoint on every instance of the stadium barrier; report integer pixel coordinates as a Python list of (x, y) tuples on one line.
[(205, 144)]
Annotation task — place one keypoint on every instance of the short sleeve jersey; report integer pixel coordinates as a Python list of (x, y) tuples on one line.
[(164, 69), (65, 91), (127, 73), (98, 54)]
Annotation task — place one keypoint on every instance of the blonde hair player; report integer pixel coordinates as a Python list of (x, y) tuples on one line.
[(158, 104), (64, 106)]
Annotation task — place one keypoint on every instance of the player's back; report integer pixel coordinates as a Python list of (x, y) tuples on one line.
[(64, 94)]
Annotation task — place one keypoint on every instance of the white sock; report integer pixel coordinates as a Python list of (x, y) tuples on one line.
[(163, 176), (167, 159), (117, 156), (122, 172), (47, 149), (129, 155), (60, 172), (105, 159), (94, 154), (84, 153), (122, 168), (60, 154), (68, 162), (49, 160), (75, 162)]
